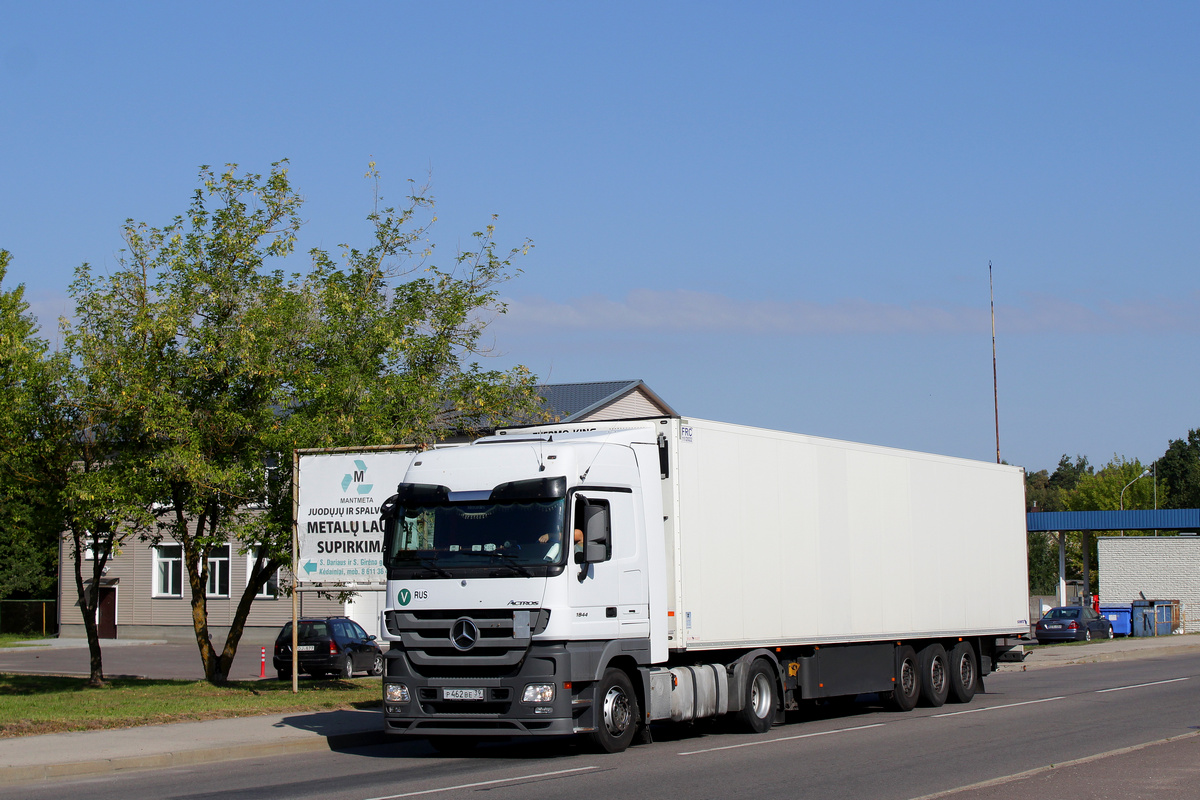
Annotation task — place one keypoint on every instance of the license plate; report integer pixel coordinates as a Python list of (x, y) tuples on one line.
[(462, 694), (305, 648), (1054, 626)]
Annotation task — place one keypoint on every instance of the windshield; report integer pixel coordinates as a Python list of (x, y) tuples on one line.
[(490, 538), (1062, 613)]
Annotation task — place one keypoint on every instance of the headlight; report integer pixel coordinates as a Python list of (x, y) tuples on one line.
[(538, 693), (395, 693)]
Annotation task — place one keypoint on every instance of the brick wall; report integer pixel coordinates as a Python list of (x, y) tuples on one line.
[(1160, 567)]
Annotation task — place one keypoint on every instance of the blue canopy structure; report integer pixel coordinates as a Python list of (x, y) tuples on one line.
[(1164, 519)]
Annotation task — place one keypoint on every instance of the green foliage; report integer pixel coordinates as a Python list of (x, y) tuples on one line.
[(28, 530), (1179, 470), (1102, 490), (1042, 552)]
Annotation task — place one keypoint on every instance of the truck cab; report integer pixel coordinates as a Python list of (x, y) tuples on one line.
[(519, 587)]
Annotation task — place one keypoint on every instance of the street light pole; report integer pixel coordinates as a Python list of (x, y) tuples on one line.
[(1145, 472)]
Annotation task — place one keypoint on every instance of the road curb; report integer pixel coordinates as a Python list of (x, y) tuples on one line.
[(188, 757)]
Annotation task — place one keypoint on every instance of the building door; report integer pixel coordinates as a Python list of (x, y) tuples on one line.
[(106, 613)]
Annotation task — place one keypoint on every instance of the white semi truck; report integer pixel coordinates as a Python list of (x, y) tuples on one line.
[(594, 578)]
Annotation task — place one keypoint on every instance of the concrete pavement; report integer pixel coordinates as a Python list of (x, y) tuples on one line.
[(58, 755)]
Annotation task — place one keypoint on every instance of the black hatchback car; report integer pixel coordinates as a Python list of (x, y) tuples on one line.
[(1072, 624), (336, 646)]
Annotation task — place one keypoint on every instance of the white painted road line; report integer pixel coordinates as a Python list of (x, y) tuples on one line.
[(486, 783), (1140, 685), (781, 739), (997, 708)]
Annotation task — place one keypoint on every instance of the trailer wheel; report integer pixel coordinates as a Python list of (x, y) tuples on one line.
[(758, 706), (964, 673), (616, 712), (935, 678), (907, 681)]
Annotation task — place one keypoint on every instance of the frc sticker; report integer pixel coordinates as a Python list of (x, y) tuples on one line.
[(685, 433)]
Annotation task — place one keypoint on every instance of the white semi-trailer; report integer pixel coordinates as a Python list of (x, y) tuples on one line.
[(595, 578)]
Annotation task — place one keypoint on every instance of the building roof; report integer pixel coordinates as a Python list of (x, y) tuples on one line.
[(573, 402)]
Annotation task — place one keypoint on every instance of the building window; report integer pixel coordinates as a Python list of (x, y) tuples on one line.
[(270, 589), (168, 570), (94, 545), (218, 572)]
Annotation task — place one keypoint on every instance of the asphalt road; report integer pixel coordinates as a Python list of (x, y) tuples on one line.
[(1101, 726), (130, 658)]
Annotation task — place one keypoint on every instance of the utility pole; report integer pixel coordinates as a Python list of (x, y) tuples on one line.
[(995, 388)]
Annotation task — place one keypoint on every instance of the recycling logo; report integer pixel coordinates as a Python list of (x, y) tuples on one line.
[(358, 476), (404, 597)]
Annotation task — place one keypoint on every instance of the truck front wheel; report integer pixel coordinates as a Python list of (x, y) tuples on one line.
[(616, 712), (758, 708), (907, 681)]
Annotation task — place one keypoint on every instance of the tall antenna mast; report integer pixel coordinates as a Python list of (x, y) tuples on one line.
[(995, 390)]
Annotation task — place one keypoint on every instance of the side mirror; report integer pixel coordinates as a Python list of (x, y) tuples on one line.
[(597, 535)]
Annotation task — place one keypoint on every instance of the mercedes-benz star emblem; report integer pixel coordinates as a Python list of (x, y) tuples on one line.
[(464, 634)]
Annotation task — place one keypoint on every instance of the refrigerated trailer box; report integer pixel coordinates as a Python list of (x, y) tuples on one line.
[(779, 538), (595, 578)]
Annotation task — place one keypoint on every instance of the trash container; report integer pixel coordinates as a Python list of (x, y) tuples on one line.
[(1119, 616), (1142, 618), (1154, 617)]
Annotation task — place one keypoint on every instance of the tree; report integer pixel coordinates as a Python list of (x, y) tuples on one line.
[(28, 538), (221, 367), (1179, 470), (61, 468)]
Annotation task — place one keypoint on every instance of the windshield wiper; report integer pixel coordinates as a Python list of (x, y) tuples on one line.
[(509, 560), (432, 565)]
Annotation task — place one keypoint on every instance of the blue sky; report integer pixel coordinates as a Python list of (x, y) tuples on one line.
[(778, 214)]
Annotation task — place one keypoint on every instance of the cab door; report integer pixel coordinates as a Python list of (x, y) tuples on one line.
[(609, 598)]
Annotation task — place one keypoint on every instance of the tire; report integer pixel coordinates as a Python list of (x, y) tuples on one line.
[(907, 680), (347, 669), (1087, 634), (1111, 635), (935, 675), (616, 712), (376, 666), (963, 668), (453, 745), (284, 674), (759, 703), (964, 673)]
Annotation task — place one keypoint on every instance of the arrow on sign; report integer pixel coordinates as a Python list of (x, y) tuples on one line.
[(310, 567)]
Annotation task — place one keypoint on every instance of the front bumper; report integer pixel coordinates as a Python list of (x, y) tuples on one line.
[(501, 711)]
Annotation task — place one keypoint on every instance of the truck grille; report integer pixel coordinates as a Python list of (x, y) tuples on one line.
[(501, 645)]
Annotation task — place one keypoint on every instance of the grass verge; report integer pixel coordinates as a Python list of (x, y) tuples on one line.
[(33, 704), (18, 639)]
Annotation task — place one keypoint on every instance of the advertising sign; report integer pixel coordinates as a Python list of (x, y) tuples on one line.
[(338, 495)]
